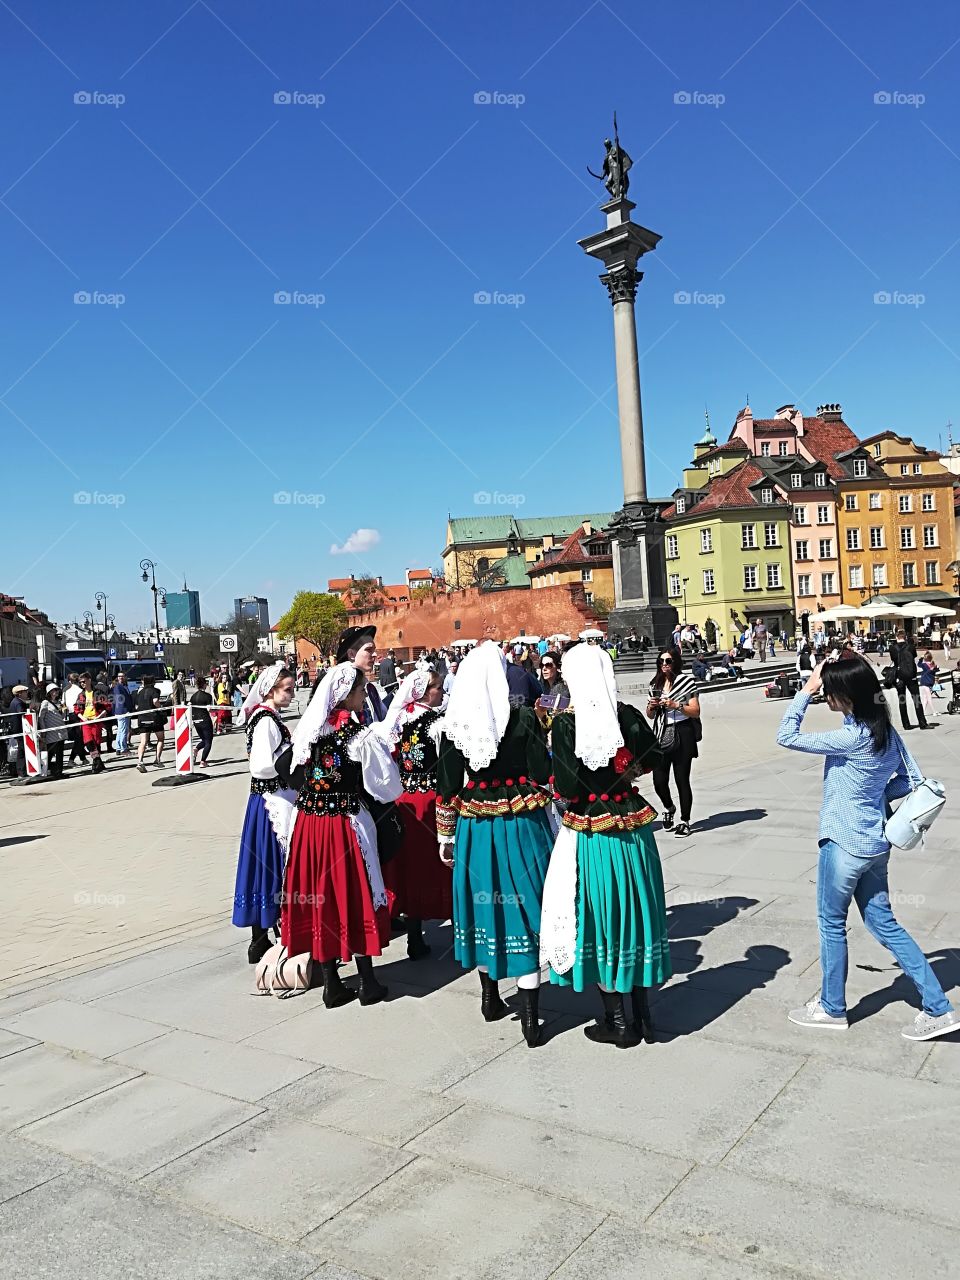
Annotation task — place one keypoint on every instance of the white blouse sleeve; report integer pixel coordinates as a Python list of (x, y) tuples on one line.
[(266, 742), (381, 777)]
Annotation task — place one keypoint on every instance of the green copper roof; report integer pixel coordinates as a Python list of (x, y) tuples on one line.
[(512, 573), (708, 438), (497, 528)]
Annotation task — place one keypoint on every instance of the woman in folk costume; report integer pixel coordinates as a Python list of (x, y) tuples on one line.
[(420, 881), (270, 811), (335, 902), (493, 762), (604, 917)]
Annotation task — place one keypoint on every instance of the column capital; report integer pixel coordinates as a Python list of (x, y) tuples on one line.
[(622, 284)]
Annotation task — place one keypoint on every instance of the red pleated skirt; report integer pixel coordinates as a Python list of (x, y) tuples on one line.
[(327, 903), (422, 884)]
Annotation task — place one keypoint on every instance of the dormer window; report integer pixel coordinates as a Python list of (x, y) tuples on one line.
[(765, 449), (766, 495), (860, 468), (820, 480), (681, 505), (877, 450), (796, 480)]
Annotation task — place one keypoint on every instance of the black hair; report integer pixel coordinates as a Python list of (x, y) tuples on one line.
[(658, 679), (853, 680)]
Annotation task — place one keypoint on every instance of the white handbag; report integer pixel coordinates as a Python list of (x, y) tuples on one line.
[(917, 812)]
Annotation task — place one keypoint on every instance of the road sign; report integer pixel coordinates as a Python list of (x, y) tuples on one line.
[(158, 650), (228, 644), (133, 653), (111, 652)]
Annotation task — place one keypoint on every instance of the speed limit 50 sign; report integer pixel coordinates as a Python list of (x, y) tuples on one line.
[(228, 644)]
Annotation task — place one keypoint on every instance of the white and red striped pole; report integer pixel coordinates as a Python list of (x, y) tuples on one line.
[(182, 740), (31, 746)]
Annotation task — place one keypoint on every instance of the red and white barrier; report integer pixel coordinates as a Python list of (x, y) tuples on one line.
[(31, 745), (182, 740)]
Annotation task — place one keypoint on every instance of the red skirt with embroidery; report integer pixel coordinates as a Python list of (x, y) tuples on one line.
[(327, 902), (422, 884)]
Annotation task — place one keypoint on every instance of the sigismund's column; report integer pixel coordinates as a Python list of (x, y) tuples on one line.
[(637, 530)]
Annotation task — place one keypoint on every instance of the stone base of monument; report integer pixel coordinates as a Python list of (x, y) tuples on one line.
[(639, 574)]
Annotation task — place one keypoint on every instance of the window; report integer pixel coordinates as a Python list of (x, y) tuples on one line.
[(773, 576), (826, 584), (876, 536), (748, 536), (783, 448), (853, 540), (483, 564), (799, 515), (765, 449), (588, 596), (586, 575), (826, 548), (766, 495), (877, 450), (904, 469), (856, 575), (909, 574), (917, 469), (927, 502), (771, 536), (750, 577), (820, 479), (879, 575), (823, 515), (860, 468), (803, 584), (796, 479), (930, 535), (706, 539), (681, 506), (674, 584), (672, 544), (803, 550), (875, 501), (850, 502), (907, 540), (905, 503), (932, 572), (709, 584)]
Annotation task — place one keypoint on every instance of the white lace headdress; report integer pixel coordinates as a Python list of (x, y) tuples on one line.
[(333, 688), (479, 707), (261, 687), (588, 672), (412, 688)]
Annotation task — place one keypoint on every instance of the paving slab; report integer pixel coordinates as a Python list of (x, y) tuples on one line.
[(237, 1070), (24, 1166), (604, 1175), (618, 1251), (877, 1139), (45, 1079), (236, 1177), (140, 1125), (572, 1082), (10, 1042), (96, 1031), (83, 1226), (452, 1224), (124, 975), (801, 1229)]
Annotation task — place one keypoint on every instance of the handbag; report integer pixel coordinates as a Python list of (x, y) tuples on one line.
[(389, 826), (665, 730), (916, 813), (282, 974)]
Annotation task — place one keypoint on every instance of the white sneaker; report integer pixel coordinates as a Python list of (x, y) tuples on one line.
[(813, 1014), (926, 1026)]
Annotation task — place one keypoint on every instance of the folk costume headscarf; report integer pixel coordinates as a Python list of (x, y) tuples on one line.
[(588, 672), (333, 688), (479, 706), (412, 688), (261, 688)]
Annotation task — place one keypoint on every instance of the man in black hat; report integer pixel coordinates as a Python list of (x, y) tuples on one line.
[(359, 646)]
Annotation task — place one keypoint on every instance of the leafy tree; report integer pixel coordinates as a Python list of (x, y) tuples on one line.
[(366, 593), (316, 616), (602, 606)]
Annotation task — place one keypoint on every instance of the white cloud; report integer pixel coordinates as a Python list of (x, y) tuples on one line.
[(360, 540)]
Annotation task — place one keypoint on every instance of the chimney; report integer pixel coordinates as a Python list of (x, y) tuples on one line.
[(830, 412), (548, 541), (587, 528)]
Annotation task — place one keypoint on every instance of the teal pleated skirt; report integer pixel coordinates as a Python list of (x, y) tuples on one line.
[(621, 915), (499, 868)]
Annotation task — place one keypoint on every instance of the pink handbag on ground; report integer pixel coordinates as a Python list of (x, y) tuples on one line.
[(281, 974)]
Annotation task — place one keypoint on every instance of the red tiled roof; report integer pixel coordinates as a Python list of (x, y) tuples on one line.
[(766, 425), (824, 439), (571, 553), (421, 573), (339, 584), (731, 490), (730, 446)]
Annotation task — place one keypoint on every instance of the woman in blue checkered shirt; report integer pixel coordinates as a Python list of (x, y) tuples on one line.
[(866, 767)]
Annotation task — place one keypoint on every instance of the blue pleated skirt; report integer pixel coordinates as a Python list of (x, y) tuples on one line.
[(499, 868), (256, 899)]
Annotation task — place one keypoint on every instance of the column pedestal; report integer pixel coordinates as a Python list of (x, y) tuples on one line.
[(639, 574)]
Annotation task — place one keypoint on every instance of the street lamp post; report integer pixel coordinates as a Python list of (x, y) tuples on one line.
[(685, 581), (90, 621), (159, 593), (101, 599)]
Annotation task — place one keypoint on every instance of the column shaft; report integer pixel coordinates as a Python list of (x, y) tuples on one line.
[(628, 398)]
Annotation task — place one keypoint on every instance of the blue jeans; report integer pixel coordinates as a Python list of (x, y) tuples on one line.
[(123, 733), (842, 876)]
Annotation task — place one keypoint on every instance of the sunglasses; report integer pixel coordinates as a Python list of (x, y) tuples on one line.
[(666, 662), (545, 664)]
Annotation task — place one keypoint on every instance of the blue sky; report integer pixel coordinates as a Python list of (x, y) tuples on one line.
[(382, 198)]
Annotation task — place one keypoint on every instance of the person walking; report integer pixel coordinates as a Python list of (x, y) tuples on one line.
[(604, 919), (149, 722), (91, 707), (178, 692), (927, 677), (760, 639), (70, 696), (674, 706), (903, 656), (387, 675), (947, 641), (866, 766), (14, 725), (123, 703), (54, 731), (202, 724)]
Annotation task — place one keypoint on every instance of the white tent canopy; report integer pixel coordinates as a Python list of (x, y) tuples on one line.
[(838, 613), (591, 633), (560, 636), (525, 639), (878, 609), (918, 609)]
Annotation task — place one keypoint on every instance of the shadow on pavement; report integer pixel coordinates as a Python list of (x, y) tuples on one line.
[(944, 963), (733, 818)]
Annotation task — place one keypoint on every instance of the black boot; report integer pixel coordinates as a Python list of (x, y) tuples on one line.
[(371, 991), (491, 1006), (614, 1029), (642, 1022), (530, 1014), (416, 947), (259, 944), (334, 992)]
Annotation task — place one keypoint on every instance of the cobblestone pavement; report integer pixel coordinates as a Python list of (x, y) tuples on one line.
[(159, 1120)]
